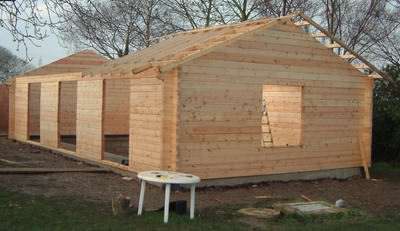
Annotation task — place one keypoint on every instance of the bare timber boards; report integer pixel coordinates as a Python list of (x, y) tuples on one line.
[(194, 103)]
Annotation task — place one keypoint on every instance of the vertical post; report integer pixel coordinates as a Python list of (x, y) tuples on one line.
[(166, 202), (141, 197), (192, 200), (363, 157)]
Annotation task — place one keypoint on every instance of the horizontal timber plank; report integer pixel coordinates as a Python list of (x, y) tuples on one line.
[(49, 170)]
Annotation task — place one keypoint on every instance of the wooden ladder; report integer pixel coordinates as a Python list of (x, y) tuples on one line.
[(266, 132)]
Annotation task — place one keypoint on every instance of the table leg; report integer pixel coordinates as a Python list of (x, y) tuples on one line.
[(141, 197), (192, 200), (166, 202)]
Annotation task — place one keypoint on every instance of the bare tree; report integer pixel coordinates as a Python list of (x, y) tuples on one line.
[(11, 65), (359, 23), (116, 28), (277, 8), (241, 10), (24, 20), (386, 47), (113, 28), (192, 14)]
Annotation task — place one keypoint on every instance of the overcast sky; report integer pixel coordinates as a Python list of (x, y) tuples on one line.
[(49, 49)]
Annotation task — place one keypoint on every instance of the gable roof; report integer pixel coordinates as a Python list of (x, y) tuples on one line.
[(179, 47), (77, 62), (185, 46)]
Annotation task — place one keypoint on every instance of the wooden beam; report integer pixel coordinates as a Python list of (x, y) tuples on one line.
[(302, 23), (316, 25), (108, 165), (348, 56), (361, 66), (318, 35), (363, 157), (49, 170), (11, 162), (375, 76), (333, 45), (141, 68)]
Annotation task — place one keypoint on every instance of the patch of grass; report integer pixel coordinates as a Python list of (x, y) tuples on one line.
[(386, 170), (351, 220), (25, 212)]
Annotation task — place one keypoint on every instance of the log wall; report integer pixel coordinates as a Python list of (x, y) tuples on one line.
[(205, 117), (116, 106), (49, 114), (220, 97), (116, 113), (170, 115), (21, 111), (68, 104), (89, 121), (146, 122)]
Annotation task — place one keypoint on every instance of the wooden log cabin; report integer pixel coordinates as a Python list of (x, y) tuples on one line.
[(258, 98)]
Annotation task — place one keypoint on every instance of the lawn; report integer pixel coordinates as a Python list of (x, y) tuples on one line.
[(26, 212)]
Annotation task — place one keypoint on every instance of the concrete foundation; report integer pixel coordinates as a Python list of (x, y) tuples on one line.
[(342, 173)]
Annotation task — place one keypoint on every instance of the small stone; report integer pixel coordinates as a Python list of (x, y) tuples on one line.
[(340, 203), (254, 186), (35, 151), (127, 178)]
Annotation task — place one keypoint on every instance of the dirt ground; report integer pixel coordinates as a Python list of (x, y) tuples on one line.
[(376, 197)]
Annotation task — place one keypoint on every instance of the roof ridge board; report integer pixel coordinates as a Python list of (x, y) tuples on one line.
[(220, 37), (206, 50), (223, 26), (137, 55), (184, 45)]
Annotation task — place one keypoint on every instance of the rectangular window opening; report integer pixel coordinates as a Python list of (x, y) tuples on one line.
[(34, 91), (67, 114), (116, 121), (281, 122)]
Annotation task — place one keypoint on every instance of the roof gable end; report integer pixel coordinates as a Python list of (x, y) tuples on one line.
[(77, 62)]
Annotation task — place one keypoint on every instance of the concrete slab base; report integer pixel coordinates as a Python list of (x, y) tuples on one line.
[(307, 208), (342, 173)]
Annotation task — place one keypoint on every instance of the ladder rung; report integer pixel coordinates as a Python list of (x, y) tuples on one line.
[(333, 45), (318, 35), (360, 66), (375, 76), (348, 56), (266, 129), (302, 23), (268, 144)]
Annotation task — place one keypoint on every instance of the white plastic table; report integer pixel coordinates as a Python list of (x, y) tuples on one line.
[(168, 178)]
